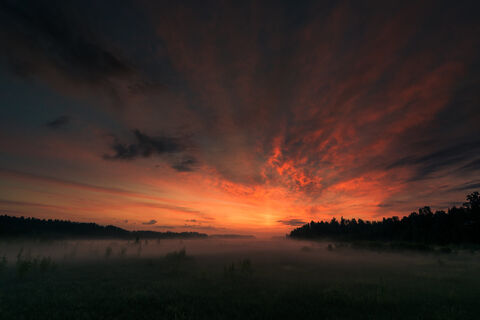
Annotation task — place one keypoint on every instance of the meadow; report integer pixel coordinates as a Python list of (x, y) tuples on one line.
[(233, 279)]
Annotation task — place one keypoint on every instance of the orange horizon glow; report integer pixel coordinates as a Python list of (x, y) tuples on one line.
[(238, 120)]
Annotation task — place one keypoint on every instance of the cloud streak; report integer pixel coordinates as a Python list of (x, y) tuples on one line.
[(59, 122), (292, 222), (71, 184)]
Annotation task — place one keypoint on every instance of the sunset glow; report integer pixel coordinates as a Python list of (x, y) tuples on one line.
[(248, 119)]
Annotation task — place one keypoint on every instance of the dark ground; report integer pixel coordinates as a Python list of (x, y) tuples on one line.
[(233, 279)]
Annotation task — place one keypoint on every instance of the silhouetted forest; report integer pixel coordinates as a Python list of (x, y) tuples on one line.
[(456, 226), (39, 228)]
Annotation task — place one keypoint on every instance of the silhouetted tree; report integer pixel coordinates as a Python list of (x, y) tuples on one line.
[(458, 225), (473, 201)]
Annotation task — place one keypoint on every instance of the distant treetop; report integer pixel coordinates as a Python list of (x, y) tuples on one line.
[(38, 228), (457, 225)]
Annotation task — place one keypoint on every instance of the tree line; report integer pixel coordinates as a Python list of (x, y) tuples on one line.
[(456, 226), (12, 227)]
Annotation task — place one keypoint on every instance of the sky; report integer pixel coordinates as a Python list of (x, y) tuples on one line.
[(250, 117)]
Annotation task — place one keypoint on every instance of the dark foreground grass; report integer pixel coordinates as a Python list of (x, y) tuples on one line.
[(308, 284)]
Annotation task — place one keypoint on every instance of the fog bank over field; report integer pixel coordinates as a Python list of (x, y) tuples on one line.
[(277, 251), (234, 279), (88, 249)]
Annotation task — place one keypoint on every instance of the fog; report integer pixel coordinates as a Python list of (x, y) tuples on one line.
[(284, 254), (228, 278)]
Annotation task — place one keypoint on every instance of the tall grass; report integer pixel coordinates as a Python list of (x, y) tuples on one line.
[(242, 268), (25, 264)]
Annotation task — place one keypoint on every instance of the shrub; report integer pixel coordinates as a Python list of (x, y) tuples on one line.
[(242, 269), (108, 252), (246, 267), (46, 264), (23, 267), (177, 255)]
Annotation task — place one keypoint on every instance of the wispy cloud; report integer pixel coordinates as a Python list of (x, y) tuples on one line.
[(145, 146), (292, 222), (27, 176)]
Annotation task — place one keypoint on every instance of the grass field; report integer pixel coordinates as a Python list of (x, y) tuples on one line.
[(232, 279)]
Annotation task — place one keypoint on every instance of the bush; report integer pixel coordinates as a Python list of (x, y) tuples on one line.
[(177, 255), (46, 264), (241, 269), (23, 267)]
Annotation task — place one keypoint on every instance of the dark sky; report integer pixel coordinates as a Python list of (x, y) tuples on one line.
[(245, 116)]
